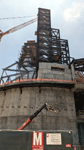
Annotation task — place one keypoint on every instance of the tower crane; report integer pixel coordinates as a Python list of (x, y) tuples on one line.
[(17, 27)]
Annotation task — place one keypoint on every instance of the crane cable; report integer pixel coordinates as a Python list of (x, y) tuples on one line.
[(16, 17)]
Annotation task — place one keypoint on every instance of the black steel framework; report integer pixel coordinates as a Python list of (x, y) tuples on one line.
[(43, 36), (17, 71), (78, 64), (49, 48)]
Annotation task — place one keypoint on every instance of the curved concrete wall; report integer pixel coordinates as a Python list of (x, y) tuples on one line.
[(17, 104)]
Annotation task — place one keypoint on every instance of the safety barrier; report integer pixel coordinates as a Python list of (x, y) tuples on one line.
[(29, 80)]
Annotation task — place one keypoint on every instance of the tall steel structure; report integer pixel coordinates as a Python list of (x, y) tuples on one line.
[(49, 48)]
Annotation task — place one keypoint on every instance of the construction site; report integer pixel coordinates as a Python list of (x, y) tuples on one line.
[(42, 93)]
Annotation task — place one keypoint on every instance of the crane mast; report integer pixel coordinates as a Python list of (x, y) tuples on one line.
[(17, 27)]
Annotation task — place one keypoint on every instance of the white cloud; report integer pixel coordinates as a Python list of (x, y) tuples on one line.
[(73, 13), (55, 1), (59, 1)]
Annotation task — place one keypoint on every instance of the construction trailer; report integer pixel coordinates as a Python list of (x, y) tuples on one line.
[(45, 72)]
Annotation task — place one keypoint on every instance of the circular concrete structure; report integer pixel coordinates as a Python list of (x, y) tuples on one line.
[(19, 100)]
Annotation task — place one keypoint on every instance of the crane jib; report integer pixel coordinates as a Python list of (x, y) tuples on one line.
[(18, 27)]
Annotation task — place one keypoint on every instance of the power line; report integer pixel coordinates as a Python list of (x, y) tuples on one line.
[(16, 17)]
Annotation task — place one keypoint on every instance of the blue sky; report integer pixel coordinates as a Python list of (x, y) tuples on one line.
[(66, 15)]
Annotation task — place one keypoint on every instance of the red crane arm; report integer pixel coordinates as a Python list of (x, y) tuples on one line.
[(32, 117), (17, 27)]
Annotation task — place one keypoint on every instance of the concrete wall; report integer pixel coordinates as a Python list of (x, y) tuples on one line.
[(17, 104), (46, 72)]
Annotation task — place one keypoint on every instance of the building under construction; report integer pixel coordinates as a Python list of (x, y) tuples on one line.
[(45, 73)]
